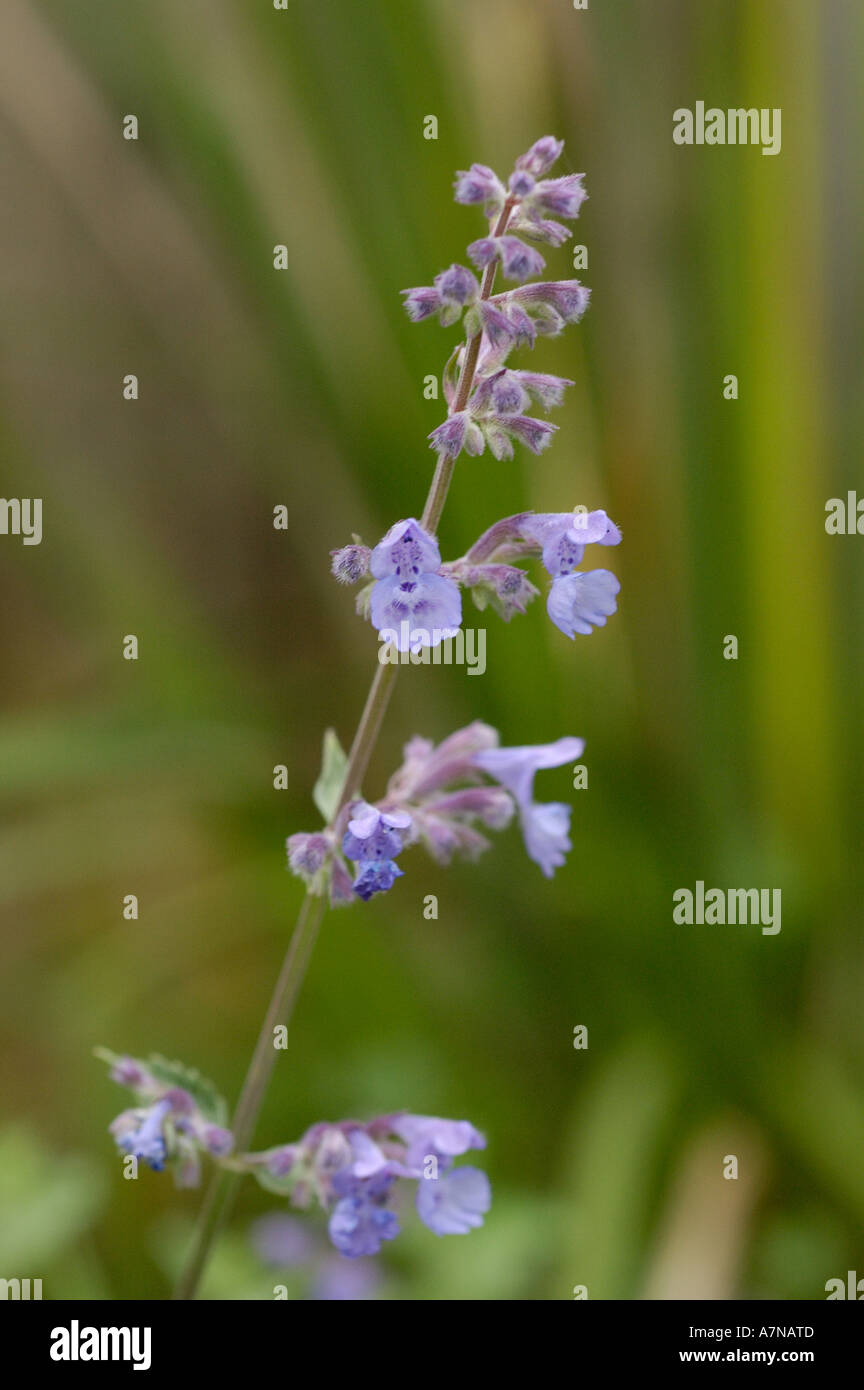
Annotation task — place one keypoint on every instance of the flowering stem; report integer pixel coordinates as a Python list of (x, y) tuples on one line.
[(223, 1184)]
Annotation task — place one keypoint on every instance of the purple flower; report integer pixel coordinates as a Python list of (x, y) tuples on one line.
[(146, 1140), (562, 197), (541, 229), (350, 563), (547, 390), (428, 1136), (374, 834), (452, 290), (410, 604), (415, 613), (406, 550), (581, 602), (427, 768), (479, 184), (501, 429), (506, 587), (358, 1225), (455, 1202), (421, 303), (566, 299), (520, 183), (497, 326), (458, 432), (521, 325), (372, 840), (544, 826), (216, 1140), (127, 1072), (564, 536), (307, 854), (457, 285), (541, 156), (354, 1170), (518, 261)]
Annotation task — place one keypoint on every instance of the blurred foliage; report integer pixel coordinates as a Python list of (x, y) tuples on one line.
[(304, 128)]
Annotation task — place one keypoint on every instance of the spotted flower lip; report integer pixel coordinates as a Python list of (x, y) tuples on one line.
[(406, 550), (564, 536), (416, 613)]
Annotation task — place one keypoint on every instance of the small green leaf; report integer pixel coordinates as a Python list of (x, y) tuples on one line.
[(282, 1187), (203, 1092), (328, 788)]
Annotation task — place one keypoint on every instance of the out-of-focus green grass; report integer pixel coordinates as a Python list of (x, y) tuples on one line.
[(305, 388)]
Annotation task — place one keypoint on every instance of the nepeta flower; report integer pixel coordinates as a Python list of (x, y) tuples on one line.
[(372, 840), (518, 261), (479, 184), (544, 827), (452, 290), (454, 1203), (552, 303), (356, 1170), (507, 588), (529, 224), (576, 602), (458, 432), (581, 602), (177, 1117), (562, 197), (541, 156), (411, 604), (350, 563), (501, 430), (564, 536), (141, 1133)]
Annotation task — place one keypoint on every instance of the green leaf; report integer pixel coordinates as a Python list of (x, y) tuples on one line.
[(328, 788), (281, 1186), (203, 1092)]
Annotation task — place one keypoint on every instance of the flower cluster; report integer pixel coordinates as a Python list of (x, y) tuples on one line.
[(577, 602), (355, 1172), (414, 599), (177, 1117), (493, 415), (440, 797)]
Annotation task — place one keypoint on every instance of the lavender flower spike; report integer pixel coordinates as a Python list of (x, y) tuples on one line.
[(545, 826)]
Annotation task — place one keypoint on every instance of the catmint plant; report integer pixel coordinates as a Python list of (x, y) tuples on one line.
[(446, 796)]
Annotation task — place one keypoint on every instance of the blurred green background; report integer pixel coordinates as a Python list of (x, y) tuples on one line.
[(305, 128)]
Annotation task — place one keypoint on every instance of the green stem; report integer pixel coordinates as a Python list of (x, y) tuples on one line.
[(220, 1193)]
